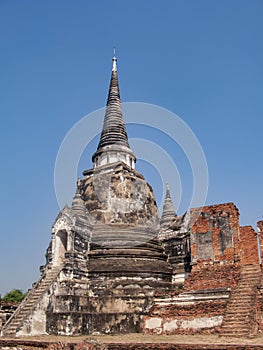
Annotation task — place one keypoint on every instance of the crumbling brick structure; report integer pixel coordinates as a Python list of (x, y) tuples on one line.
[(224, 270), (260, 238), (249, 249), (114, 266), (215, 234)]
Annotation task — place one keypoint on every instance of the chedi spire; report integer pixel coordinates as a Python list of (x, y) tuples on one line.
[(168, 213), (113, 145)]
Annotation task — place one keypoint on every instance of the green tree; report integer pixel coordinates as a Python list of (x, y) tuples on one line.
[(15, 295)]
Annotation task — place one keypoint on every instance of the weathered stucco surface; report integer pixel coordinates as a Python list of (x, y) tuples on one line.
[(119, 195), (114, 266), (159, 325)]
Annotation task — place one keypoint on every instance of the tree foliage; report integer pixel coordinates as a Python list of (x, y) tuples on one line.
[(15, 295)]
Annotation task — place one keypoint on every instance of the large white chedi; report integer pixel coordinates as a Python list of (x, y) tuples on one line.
[(105, 262)]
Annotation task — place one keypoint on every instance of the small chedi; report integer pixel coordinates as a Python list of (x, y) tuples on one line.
[(114, 266)]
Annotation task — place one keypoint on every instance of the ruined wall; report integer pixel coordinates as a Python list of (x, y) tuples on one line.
[(115, 289), (220, 249), (187, 320), (259, 313), (260, 234), (213, 276), (216, 267), (188, 313), (248, 246), (215, 234), (260, 226), (215, 251)]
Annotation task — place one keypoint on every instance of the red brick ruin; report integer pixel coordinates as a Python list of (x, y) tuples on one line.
[(114, 266)]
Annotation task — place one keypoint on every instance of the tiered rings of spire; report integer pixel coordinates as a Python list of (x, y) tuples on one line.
[(113, 146)]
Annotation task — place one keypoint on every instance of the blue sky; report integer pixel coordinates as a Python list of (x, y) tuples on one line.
[(199, 59)]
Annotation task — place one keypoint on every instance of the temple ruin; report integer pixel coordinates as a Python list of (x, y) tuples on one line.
[(114, 266)]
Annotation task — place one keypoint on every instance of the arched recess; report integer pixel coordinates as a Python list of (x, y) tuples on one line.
[(61, 246)]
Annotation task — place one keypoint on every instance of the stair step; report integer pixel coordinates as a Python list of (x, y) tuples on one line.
[(239, 316), (18, 319), (13, 329), (234, 306), (231, 330), (235, 324), (237, 313), (29, 302), (245, 306), (238, 308), (245, 299), (234, 335), (244, 289), (234, 317), (235, 331)]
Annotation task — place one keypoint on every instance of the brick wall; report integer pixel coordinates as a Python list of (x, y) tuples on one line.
[(248, 246), (215, 234), (260, 233), (192, 318), (260, 225), (213, 276)]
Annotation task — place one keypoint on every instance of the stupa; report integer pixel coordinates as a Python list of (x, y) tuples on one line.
[(104, 262), (114, 266)]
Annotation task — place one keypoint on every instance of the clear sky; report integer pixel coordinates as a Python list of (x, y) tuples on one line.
[(200, 59)]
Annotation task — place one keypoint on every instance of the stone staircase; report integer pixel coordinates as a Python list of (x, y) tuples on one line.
[(240, 316), (16, 320)]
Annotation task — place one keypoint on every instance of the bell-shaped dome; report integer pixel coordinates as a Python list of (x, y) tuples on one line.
[(119, 195)]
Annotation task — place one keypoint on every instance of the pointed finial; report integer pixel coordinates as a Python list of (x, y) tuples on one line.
[(114, 61), (113, 139), (168, 213), (168, 195)]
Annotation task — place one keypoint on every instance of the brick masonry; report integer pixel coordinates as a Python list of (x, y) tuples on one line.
[(219, 249), (189, 318), (248, 246), (215, 234), (112, 263), (260, 236), (213, 276)]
